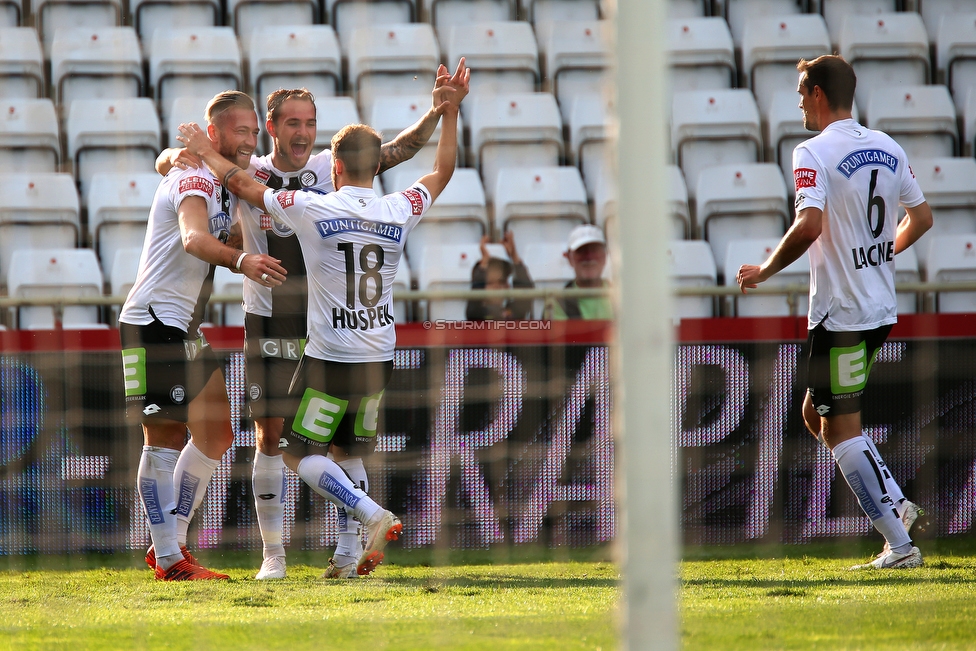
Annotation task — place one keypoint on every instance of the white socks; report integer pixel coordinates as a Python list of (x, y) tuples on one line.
[(894, 490), (154, 480), (864, 475), (349, 546), (191, 478), (268, 482), (326, 478)]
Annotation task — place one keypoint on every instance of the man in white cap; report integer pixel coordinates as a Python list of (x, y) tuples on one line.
[(587, 255)]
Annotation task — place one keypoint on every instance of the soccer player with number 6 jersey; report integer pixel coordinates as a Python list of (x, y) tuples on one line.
[(849, 183)]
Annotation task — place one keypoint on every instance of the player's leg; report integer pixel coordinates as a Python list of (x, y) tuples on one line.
[(163, 440), (349, 544), (270, 489)]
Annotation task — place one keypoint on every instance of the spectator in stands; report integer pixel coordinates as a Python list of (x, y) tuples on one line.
[(587, 255), (498, 264)]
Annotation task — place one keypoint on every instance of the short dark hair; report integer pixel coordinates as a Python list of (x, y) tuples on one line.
[(225, 101), (278, 97), (358, 147), (834, 75)]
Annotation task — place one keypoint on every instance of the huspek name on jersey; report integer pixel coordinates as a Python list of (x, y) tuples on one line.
[(330, 227), (858, 159), (364, 319)]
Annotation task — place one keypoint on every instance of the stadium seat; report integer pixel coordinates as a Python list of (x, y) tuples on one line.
[(226, 282), (150, 15), (459, 214), (771, 47), (502, 55), (192, 62), (933, 11), (539, 204), (118, 210), (106, 135), (391, 60), (591, 126), (37, 210), (446, 267), (401, 283), (739, 12), (835, 12), (738, 202), (445, 14), (346, 16), (714, 127), (333, 113), (922, 119), (548, 267), (52, 15), (605, 203), (906, 271), (95, 63), (21, 63), (969, 123), (246, 16), (55, 273), (10, 11), (577, 59), (691, 264), (956, 56), (544, 14), (952, 258), (513, 130), (755, 251), (125, 268), (29, 136), (885, 50), (185, 109), (305, 56), (949, 185), (700, 54), (688, 8), (682, 226)]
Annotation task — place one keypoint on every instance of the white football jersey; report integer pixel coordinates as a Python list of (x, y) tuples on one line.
[(857, 177), (352, 241), (264, 235), (171, 281)]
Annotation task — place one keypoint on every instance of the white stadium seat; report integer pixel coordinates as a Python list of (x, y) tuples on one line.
[(539, 203), (952, 258), (333, 113), (934, 11), (186, 109), (740, 201), (10, 13), (771, 47), (513, 130), (605, 203), (445, 14), (391, 60), (118, 210), (37, 210), (346, 16), (502, 55), (226, 282), (21, 63), (55, 273), (29, 136), (545, 14), (246, 16), (591, 127), (949, 185), (92, 63), (700, 54), (548, 267), (192, 62), (714, 127), (836, 12), (446, 267), (690, 264), (956, 55), (688, 8), (784, 131), (755, 251), (577, 58), (149, 15), (922, 119), (401, 283), (125, 268), (392, 114), (52, 15), (906, 271), (683, 228), (111, 136), (885, 50), (739, 12)]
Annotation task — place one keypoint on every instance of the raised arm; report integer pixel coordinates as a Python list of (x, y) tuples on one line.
[(408, 142), (242, 185), (446, 156)]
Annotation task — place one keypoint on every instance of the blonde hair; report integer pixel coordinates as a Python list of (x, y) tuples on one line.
[(225, 101), (358, 147)]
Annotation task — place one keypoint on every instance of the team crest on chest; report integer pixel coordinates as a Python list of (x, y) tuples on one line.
[(308, 178)]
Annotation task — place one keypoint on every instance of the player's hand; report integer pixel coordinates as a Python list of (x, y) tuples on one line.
[(263, 269), (450, 90), (749, 277), (196, 139), (184, 160)]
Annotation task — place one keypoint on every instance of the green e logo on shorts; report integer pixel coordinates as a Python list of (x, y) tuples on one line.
[(366, 419), (849, 369), (134, 371), (319, 415)]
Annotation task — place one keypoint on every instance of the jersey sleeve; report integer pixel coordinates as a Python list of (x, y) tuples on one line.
[(286, 206), (194, 182), (415, 199), (911, 195), (810, 180)]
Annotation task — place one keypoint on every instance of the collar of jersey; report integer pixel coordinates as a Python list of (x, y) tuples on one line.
[(846, 123), (355, 190)]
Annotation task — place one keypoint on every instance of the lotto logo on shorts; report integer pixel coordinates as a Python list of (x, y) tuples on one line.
[(319, 415), (134, 371), (849, 368), (416, 201), (196, 183), (805, 178), (286, 199)]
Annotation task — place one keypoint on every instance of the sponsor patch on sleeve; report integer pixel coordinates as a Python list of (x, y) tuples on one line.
[(805, 177), (416, 201), (191, 183), (286, 199)]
